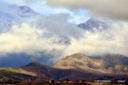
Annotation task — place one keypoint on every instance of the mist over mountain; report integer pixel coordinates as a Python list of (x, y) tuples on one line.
[(17, 60), (49, 38), (47, 59), (12, 14), (20, 24), (92, 24)]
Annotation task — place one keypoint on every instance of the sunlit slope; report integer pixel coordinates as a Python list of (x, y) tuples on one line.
[(106, 64)]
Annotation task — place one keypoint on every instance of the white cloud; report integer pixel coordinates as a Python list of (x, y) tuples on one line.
[(31, 40), (22, 2), (18, 2), (116, 9), (51, 30), (26, 39), (111, 41)]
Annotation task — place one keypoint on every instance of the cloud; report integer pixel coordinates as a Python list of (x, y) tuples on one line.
[(21, 2), (115, 9), (111, 41), (58, 25), (26, 39), (41, 35), (33, 41), (53, 35), (17, 2)]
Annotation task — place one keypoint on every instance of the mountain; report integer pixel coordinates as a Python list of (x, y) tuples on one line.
[(47, 72), (112, 64), (37, 71), (12, 14), (81, 67), (92, 23)]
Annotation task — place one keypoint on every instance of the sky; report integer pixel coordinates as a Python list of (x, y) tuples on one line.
[(47, 30), (40, 6)]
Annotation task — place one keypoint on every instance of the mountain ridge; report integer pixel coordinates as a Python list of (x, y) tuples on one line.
[(37, 71), (107, 64)]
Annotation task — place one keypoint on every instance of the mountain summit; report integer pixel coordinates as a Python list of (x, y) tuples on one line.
[(92, 23)]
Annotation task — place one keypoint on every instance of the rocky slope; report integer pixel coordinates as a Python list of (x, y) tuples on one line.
[(50, 73), (47, 72), (107, 64), (74, 67)]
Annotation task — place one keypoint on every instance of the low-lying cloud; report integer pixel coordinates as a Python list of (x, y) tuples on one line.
[(115, 9), (111, 41), (26, 39), (30, 40)]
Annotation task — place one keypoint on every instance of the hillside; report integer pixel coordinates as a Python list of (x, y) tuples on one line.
[(47, 72), (12, 75), (73, 72), (74, 67), (107, 64)]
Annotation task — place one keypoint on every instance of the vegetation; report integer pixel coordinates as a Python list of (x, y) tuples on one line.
[(16, 70)]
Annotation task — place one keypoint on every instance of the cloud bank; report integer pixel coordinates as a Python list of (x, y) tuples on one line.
[(53, 35), (26, 39), (21, 2), (30, 40), (115, 9), (111, 41)]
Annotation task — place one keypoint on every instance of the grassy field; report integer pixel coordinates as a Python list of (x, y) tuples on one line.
[(16, 70)]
